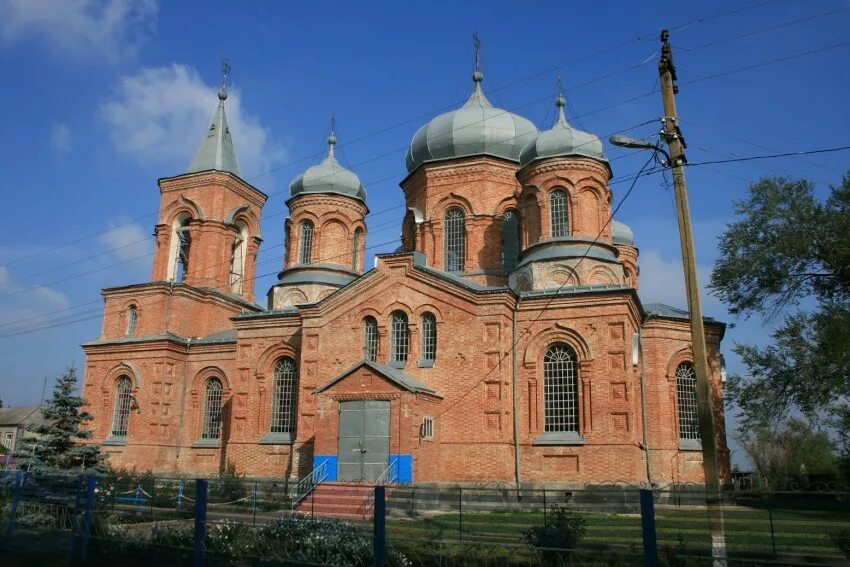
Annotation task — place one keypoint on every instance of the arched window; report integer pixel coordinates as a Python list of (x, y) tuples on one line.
[(237, 259), (306, 251), (558, 213), (121, 413), (429, 337), (284, 397), (370, 339), (560, 389), (510, 240), (132, 317), (212, 410), (181, 243), (454, 234), (355, 250), (399, 338), (686, 402)]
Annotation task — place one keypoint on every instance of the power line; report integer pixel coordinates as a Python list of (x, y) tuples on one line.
[(272, 259), (555, 293), (765, 63), (652, 35), (771, 156)]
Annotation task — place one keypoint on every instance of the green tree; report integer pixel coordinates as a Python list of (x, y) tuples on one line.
[(793, 448), (789, 252), (57, 442)]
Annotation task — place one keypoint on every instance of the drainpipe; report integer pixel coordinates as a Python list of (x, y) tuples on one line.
[(514, 373), (637, 359)]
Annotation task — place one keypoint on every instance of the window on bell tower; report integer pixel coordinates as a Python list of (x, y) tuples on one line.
[(454, 234), (558, 213), (305, 251)]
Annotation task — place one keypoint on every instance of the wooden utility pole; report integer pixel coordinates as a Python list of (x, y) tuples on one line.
[(704, 392)]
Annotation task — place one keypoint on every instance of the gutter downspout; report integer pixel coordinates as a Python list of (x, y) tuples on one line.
[(514, 373), (639, 341)]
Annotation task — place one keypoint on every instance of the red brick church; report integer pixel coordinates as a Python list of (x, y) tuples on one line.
[(503, 341)]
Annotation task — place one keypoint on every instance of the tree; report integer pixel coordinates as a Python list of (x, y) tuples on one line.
[(789, 250), (57, 442), (794, 448)]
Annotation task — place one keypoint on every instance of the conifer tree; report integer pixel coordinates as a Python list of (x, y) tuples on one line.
[(56, 445)]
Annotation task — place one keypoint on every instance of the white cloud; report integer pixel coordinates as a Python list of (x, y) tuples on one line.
[(60, 138), (107, 29), (27, 305), (129, 242), (159, 115), (663, 281)]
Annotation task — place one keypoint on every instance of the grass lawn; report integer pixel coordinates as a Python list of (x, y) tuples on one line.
[(748, 530)]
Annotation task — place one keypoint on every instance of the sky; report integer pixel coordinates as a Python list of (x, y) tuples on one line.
[(100, 98)]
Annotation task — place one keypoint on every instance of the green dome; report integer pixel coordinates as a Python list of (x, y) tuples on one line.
[(476, 128), (562, 140), (328, 177)]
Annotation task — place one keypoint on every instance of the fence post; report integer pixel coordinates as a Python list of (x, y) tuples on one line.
[(180, 496), (460, 513), (200, 520), (647, 520), (379, 525), (20, 478), (544, 506), (772, 532), (138, 498), (91, 483), (254, 504)]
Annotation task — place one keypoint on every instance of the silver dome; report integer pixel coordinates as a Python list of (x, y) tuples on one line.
[(562, 140), (328, 177), (621, 233), (476, 128)]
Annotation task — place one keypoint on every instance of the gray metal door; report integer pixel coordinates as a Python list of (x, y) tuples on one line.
[(364, 439)]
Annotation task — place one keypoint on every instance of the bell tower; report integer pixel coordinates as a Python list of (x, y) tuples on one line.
[(208, 233)]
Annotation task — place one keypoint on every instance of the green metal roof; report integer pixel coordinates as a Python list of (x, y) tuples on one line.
[(216, 150)]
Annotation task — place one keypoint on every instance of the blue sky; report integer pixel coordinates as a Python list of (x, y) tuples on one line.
[(102, 97)]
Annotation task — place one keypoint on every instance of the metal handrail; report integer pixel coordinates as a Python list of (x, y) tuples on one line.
[(309, 483), (383, 480)]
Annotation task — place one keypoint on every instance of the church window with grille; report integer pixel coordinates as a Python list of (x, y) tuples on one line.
[(306, 251), (510, 240), (558, 213), (121, 412), (560, 389), (132, 318), (399, 338), (686, 402), (454, 233), (429, 337), (370, 339), (212, 409), (284, 397)]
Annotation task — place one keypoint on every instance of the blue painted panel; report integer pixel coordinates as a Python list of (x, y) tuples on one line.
[(330, 462), (402, 470)]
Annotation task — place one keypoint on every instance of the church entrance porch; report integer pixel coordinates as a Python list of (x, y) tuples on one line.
[(364, 439)]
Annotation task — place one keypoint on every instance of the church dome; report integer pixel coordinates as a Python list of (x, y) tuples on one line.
[(476, 128), (328, 177), (621, 233), (562, 140)]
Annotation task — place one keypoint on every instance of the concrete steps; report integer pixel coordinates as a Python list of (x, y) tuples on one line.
[(333, 500)]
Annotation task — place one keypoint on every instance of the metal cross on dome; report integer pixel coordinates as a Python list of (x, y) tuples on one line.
[(225, 72), (477, 44)]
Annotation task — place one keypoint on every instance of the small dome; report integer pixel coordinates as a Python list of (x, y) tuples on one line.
[(476, 128), (328, 177), (621, 233), (562, 140)]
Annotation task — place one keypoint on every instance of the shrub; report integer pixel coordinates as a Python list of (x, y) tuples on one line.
[(841, 539), (563, 529)]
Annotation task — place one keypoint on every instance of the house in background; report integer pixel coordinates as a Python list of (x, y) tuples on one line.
[(13, 426)]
